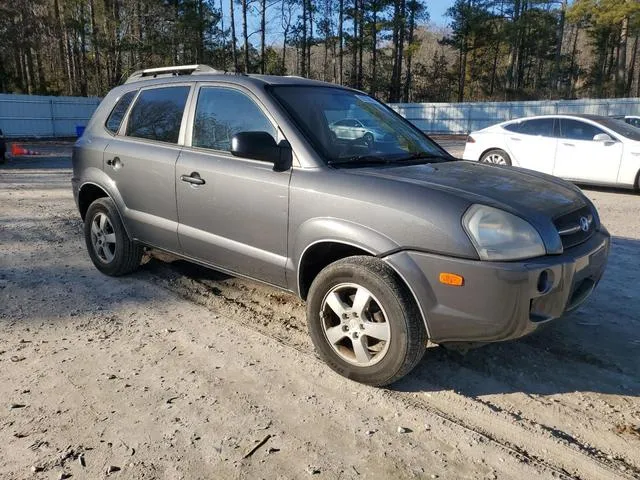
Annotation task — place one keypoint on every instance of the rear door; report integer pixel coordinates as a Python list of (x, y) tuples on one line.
[(533, 143), (580, 157), (236, 218), (141, 161)]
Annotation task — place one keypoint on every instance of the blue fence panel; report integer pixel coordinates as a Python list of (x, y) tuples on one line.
[(455, 118), (44, 116)]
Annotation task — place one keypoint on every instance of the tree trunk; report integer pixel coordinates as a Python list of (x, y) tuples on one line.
[(234, 47), (360, 44), (558, 53), (96, 45), (621, 72), (303, 60), (340, 42), (354, 46), (310, 38), (245, 34), (374, 50), (263, 15), (412, 20), (632, 66)]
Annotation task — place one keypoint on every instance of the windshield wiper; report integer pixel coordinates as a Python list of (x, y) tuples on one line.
[(422, 155), (360, 160)]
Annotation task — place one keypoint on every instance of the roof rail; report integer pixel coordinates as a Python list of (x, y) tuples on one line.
[(170, 71)]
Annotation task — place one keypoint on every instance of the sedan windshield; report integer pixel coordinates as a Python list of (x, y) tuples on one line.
[(621, 127), (350, 129)]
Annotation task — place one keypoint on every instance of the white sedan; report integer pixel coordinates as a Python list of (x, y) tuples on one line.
[(582, 148)]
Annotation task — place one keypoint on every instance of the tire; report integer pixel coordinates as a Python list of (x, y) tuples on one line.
[(379, 362), (368, 139), (496, 157), (110, 248)]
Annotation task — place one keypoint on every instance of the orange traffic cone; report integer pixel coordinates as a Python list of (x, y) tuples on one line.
[(17, 151)]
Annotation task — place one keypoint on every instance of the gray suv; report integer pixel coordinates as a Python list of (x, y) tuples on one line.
[(392, 243)]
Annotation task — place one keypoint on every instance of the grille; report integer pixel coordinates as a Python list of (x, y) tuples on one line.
[(570, 228)]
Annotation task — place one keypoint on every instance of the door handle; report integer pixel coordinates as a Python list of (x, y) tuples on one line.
[(193, 179), (115, 162), (516, 139), (569, 144)]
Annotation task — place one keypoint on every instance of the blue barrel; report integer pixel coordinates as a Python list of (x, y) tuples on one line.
[(79, 130)]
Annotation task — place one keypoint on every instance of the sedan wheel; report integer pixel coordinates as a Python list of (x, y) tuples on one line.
[(496, 157)]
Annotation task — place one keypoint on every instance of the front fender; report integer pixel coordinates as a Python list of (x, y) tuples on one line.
[(329, 229)]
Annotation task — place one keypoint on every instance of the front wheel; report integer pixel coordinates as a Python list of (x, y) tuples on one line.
[(109, 246), (496, 157), (363, 321)]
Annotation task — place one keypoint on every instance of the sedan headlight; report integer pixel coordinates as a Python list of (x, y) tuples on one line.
[(498, 235)]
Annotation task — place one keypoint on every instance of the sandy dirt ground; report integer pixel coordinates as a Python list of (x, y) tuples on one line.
[(180, 372)]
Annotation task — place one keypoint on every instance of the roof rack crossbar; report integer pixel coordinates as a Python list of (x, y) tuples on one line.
[(171, 71)]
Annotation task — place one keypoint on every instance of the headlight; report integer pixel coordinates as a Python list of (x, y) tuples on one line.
[(498, 235)]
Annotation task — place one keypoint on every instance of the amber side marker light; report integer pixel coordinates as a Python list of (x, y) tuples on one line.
[(451, 279)]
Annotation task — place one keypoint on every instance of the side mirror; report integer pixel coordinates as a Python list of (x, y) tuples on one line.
[(603, 137), (262, 146)]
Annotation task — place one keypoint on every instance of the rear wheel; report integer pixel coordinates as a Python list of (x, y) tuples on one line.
[(109, 246), (363, 321), (368, 139), (496, 157)]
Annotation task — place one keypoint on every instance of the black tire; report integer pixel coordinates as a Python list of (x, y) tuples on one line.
[(408, 336), (496, 152), (368, 139), (126, 253)]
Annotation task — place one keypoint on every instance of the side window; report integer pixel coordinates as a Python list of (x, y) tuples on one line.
[(576, 130), (157, 114), (513, 127), (540, 126), (117, 114), (223, 112)]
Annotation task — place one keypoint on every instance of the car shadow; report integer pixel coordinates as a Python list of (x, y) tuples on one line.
[(593, 349)]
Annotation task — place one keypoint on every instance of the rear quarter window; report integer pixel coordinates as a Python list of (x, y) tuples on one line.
[(117, 114)]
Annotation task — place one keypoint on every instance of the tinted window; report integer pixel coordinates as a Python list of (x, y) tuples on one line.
[(577, 130), (157, 114), (117, 114), (539, 126), (513, 127), (223, 112)]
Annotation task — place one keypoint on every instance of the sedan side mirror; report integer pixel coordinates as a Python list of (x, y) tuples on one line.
[(603, 137), (262, 146)]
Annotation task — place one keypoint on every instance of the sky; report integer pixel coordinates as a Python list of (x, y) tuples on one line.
[(437, 9)]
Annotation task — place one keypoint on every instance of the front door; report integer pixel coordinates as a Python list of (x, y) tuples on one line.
[(580, 157), (234, 214), (141, 162)]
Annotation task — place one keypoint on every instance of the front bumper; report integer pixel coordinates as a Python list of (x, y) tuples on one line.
[(501, 300)]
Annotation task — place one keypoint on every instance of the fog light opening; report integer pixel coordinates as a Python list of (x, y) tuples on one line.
[(545, 281)]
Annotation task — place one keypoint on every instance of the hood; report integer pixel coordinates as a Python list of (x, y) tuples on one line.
[(532, 195)]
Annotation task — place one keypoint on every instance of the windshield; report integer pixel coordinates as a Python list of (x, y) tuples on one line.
[(621, 127), (349, 128)]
